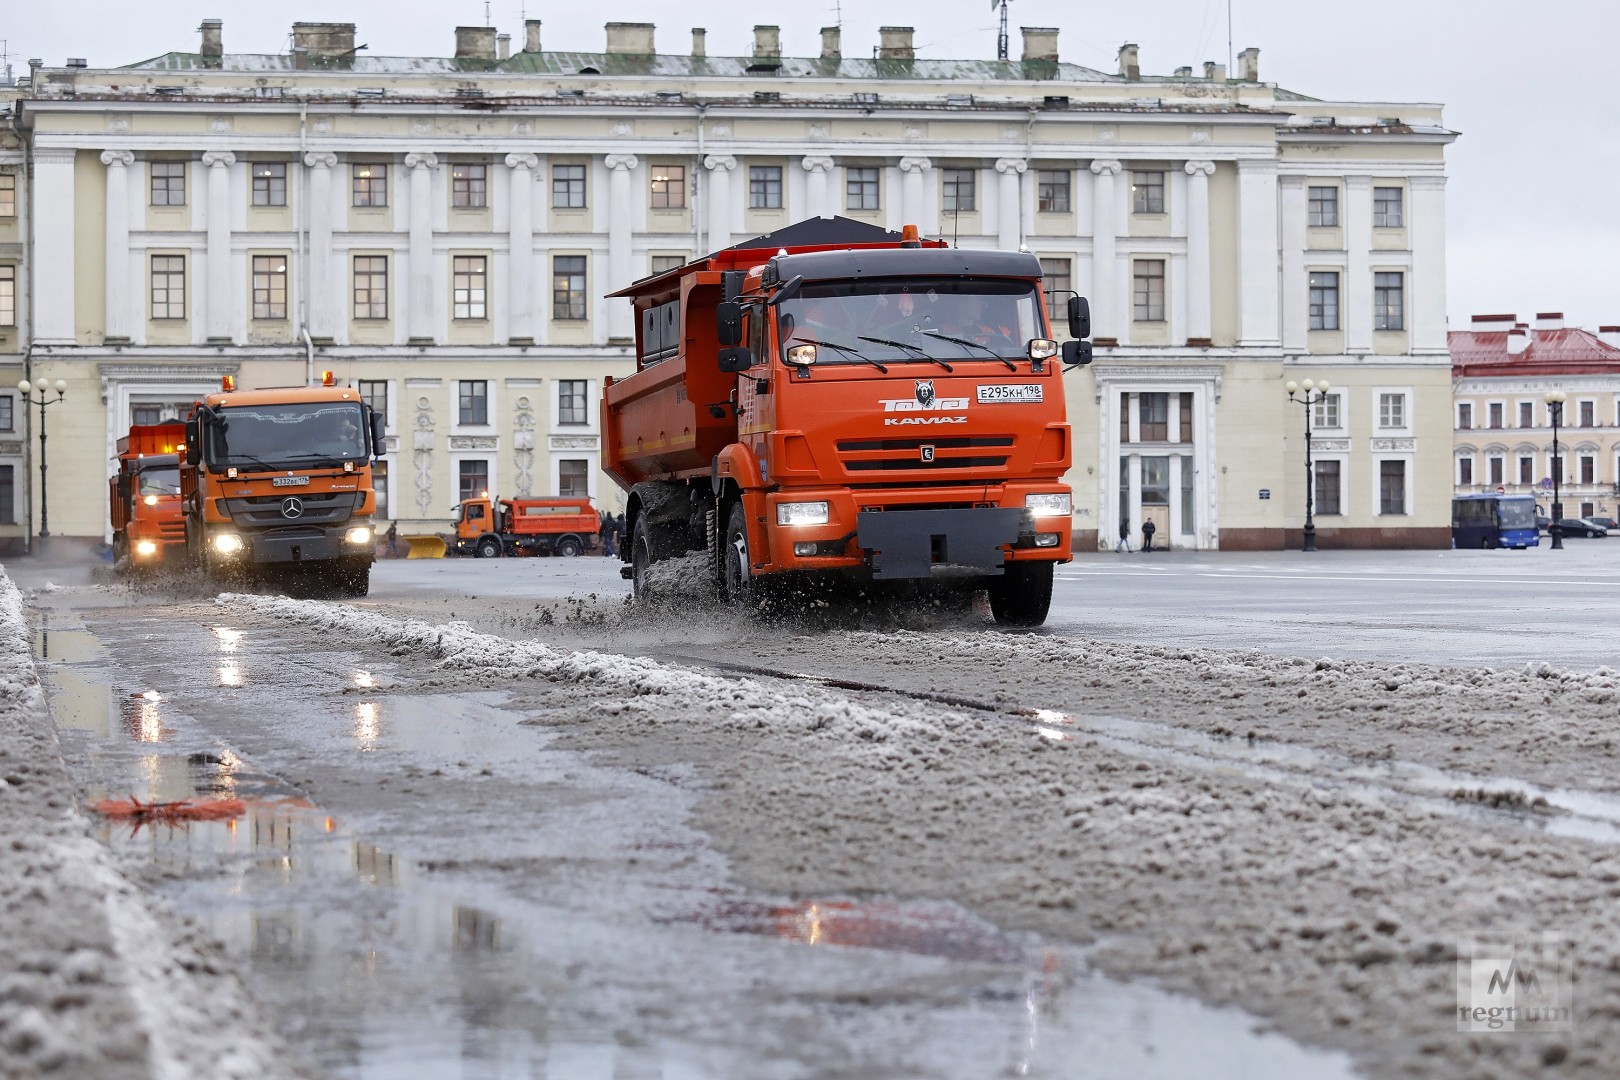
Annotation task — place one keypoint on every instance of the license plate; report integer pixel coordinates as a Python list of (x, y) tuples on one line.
[(289, 481), (1013, 392)]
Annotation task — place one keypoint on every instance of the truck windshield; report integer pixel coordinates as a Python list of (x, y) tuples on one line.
[(912, 321), (287, 436), (162, 480)]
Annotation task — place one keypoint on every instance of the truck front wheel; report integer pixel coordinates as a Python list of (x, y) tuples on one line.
[(489, 548), (1022, 595), (736, 581)]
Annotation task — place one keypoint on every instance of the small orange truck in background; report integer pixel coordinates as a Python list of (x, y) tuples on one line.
[(144, 496), (277, 483), (563, 526)]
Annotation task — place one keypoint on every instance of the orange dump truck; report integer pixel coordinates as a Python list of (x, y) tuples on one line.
[(833, 399), (524, 527), (277, 483), (144, 496)]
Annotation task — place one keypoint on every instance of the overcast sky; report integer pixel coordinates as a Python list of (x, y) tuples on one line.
[(1534, 191)]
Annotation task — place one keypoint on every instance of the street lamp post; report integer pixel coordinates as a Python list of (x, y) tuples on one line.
[(35, 393), (1308, 394), (1555, 410)]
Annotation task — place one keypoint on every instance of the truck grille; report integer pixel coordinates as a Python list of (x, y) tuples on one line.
[(892, 455), (172, 530), (319, 508)]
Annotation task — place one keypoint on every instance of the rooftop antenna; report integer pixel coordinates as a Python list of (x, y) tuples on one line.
[(1001, 38), (1230, 64), (486, 12)]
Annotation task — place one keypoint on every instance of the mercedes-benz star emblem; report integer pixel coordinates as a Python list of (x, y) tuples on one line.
[(292, 507)]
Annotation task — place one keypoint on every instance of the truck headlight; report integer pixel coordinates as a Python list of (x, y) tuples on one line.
[(802, 513), (151, 500), (227, 543), (1053, 504), (360, 534), (145, 548)]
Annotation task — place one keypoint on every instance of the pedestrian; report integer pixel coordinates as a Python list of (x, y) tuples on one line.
[(618, 532), (1148, 529), (1124, 537), (393, 539), (606, 534)]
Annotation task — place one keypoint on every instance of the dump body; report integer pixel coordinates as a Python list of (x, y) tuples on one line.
[(548, 526), (144, 496)]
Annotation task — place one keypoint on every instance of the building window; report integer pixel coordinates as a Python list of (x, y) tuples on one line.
[(669, 187), (8, 194), (469, 277), (1465, 471), (168, 286), (1392, 487), (573, 478), (8, 296), (1057, 274), (1587, 464), (472, 402), (1323, 204), (8, 413), (474, 478), (371, 286), (571, 402), (469, 186), (1389, 301), (1494, 411), (374, 392), (1147, 276), (1153, 417), (567, 187), (168, 183), (379, 483), (269, 286), (1391, 410), (1465, 416), (1147, 192), (959, 191), (1326, 412), (370, 184), (1052, 191), (1527, 414), (8, 494), (765, 187), (568, 287), (1495, 470), (1324, 300), (1588, 413), (1527, 469), (1387, 209), (663, 264), (269, 183), (861, 189), (1327, 487)]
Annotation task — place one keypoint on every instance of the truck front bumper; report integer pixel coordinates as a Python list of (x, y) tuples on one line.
[(352, 541)]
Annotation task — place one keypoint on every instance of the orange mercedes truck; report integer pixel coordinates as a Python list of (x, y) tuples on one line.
[(277, 483), (144, 496), (834, 399)]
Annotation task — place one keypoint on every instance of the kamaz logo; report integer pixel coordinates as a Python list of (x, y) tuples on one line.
[(1503, 982)]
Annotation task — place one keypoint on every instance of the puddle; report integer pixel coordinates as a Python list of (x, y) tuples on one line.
[(922, 928)]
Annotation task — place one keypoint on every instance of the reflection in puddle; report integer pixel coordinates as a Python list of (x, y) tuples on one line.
[(367, 725), (920, 928), (142, 717), (231, 674), (365, 680), (227, 639)]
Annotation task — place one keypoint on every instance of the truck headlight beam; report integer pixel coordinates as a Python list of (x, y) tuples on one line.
[(360, 534), (228, 543), (145, 548)]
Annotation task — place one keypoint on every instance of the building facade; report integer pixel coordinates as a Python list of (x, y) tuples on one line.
[(1502, 372), (441, 232)]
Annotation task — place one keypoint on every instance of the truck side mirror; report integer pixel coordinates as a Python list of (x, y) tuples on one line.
[(193, 441), (1076, 353), (379, 441), (728, 323), (736, 358), (1079, 319), (787, 291)]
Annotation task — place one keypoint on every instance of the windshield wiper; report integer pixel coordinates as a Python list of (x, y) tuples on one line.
[(924, 353), (849, 349), (233, 461), (974, 344)]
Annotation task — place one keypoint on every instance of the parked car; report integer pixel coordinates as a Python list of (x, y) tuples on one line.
[(1606, 524), (1542, 523), (1577, 527)]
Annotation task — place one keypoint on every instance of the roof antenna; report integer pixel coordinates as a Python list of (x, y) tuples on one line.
[(1001, 38), (486, 12), (1230, 64)]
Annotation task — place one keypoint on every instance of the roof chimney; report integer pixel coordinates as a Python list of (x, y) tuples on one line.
[(1040, 43), (1609, 335), (1549, 320), (1129, 66), (630, 38), (1518, 340), (1485, 324), (1249, 65), (213, 43), (700, 41), (894, 43), (767, 41), (1184, 72), (832, 43), (1214, 72), (323, 38), (503, 46), (531, 35), (475, 43)]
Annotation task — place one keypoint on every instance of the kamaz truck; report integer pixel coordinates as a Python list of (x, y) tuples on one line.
[(276, 483), (143, 497), (837, 400)]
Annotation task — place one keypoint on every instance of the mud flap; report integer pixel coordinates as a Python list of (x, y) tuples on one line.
[(913, 543)]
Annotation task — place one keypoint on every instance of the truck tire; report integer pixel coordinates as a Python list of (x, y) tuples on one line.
[(737, 584), (354, 580), (641, 558), (489, 548), (1022, 595), (569, 546)]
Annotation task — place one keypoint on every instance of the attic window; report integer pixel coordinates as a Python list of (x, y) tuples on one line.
[(589, 71), (469, 92), (767, 95), (268, 91), (866, 99), (1055, 101), (168, 89), (959, 99), (570, 93), (1321, 121), (669, 95), (370, 91), (763, 67)]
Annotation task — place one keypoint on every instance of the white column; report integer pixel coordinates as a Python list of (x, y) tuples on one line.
[(1105, 317), (118, 284), (53, 250), (520, 261), (1358, 295), (913, 196), (818, 189), (1009, 214), (718, 210), (1198, 272), (619, 313), (419, 319), (1295, 301), (215, 283), (1426, 229), (1257, 254), (323, 288)]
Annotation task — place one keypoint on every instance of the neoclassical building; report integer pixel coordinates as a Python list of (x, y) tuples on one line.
[(441, 232)]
